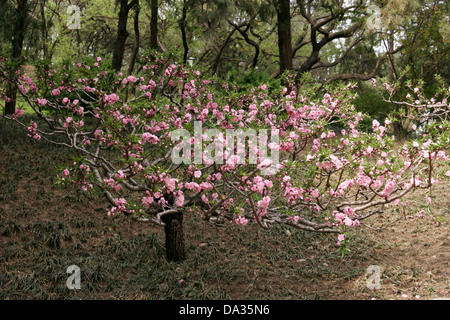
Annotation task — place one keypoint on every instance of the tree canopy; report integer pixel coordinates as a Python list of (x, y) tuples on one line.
[(331, 39)]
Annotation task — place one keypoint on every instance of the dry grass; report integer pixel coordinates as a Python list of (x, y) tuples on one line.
[(43, 230)]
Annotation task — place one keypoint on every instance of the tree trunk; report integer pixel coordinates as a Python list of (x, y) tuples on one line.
[(182, 24), (154, 25), (17, 45), (122, 34), (44, 31), (310, 62), (174, 236), (136, 41), (284, 34)]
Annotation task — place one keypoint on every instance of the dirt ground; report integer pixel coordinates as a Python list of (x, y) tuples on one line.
[(45, 229)]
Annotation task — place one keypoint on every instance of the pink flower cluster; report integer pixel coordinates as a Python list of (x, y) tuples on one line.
[(32, 129), (326, 178)]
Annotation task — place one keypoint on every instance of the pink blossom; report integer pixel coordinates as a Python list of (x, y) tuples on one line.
[(112, 98), (150, 138), (241, 221), (19, 112), (273, 146), (388, 189), (23, 89), (206, 185), (337, 163), (375, 124), (120, 175), (179, 202), (197, 174), (147, 201), (268, 183), (265, 163), (68, 121), (258, 184), (192, 186), (348, 222), (234, 159), (421, 214), (132, 79), (349, 211), (205, 199), (264, 203), (42, 102), (170, 183)]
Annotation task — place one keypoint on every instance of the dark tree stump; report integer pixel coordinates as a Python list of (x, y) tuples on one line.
[(174, 236)]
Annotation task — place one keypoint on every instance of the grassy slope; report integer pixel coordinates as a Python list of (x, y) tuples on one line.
[(44, 230)]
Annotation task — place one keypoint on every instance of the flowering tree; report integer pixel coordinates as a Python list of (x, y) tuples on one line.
[(417, 110), (168, 142)]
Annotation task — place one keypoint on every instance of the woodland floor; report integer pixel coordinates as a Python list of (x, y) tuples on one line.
[(45, 229)]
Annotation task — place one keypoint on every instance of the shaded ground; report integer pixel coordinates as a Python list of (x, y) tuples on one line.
[(44, 230)]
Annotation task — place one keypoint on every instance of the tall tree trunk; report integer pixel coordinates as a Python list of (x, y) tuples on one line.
[(174, 236), (132, 89), (122, 34), (20, 24), (154, 25), (182, 24), (136, 40), (44, 31), (284, 34)]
